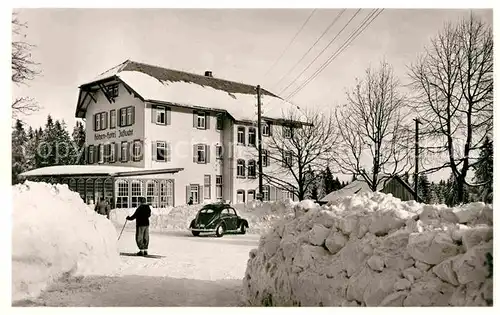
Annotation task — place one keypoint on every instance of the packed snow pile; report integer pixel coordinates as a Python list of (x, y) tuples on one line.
[(260, 215), (56, 234), (374, 250)]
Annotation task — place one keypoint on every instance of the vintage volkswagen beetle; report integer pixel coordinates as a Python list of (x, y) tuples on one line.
[(218, 218)]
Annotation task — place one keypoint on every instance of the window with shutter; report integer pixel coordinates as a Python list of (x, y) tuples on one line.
[(161, 118)]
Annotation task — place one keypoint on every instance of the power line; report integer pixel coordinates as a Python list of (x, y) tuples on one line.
[(310, 48), (351, 38), (329, 44), (290, 43)]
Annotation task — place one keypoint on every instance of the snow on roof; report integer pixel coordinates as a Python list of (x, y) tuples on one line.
[(79, 169), (240, 106), (155, 83), (357, 186)]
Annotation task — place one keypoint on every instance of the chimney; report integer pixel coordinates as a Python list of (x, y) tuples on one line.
[(208, 74)]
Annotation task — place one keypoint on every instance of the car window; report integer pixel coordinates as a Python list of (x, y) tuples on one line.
[(232, 211), (225, 211), (207, 211)]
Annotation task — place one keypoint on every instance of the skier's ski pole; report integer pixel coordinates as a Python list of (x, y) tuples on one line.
[(122, 230)]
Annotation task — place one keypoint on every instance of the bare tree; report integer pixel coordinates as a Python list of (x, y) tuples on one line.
[(24, 69), (371, 128), (454, 85), (299, 149)]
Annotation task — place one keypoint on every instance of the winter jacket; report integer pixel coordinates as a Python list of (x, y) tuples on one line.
[(102, 207), (141, 215)]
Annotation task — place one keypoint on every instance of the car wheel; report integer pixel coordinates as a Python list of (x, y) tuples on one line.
[(195, 233), (243, 228), (220, 230)]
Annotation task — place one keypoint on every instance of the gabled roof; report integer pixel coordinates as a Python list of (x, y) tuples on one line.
[(158, 84)]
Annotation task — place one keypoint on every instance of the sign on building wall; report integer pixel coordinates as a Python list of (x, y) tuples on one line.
[(114, 134)]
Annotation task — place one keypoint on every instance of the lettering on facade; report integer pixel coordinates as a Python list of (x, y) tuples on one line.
[(113, 134)]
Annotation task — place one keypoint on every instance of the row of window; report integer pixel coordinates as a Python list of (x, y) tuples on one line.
[(108, 152), (126, 118), (90, 189), (162, 152), (201, 120), (159, 194)]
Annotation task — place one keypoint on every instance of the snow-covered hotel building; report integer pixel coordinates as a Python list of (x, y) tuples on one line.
[(170, 136)]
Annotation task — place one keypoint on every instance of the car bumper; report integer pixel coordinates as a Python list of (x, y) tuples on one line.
[(201, 230)]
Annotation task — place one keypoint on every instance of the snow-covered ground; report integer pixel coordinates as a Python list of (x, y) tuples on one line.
[(374, 250), (191, 271), (367, 250), (55, 233)]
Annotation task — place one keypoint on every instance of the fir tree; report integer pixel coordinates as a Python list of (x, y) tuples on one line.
[(19, 140), (328, 181), (79, 143), (483, 174), (424, 189)]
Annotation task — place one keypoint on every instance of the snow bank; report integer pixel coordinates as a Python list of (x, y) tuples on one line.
[(55, 234), (374, 250), (260, 215)]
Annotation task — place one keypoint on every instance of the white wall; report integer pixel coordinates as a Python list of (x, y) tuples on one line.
[(182, 136), (124, 99)]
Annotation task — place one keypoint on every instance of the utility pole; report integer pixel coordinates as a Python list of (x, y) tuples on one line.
[(417, 122), (259, 139)]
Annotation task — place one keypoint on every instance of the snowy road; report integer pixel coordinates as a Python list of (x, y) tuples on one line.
[(192, 271)]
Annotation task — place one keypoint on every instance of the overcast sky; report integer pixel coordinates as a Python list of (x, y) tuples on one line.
[(75, 45)]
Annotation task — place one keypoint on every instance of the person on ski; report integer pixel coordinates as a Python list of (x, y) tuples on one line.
[(141, 215), (102, 207)]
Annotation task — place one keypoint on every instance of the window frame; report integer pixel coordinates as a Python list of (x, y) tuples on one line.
[(137, 145), (287, 131), (242, 130), (254, 136), (218, 155), (134, 198), (124, 148), (254, 167), (161, 110), (201, 116), (218, 185), (203, 150), (266, 190), (266, 129), (152, 199), (194, 188), (242, 191), (265, 158), (113, 90), (240, 169)]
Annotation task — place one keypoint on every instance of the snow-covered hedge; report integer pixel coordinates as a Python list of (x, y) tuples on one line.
[(260, 215), (55, 234), (374, 250)]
